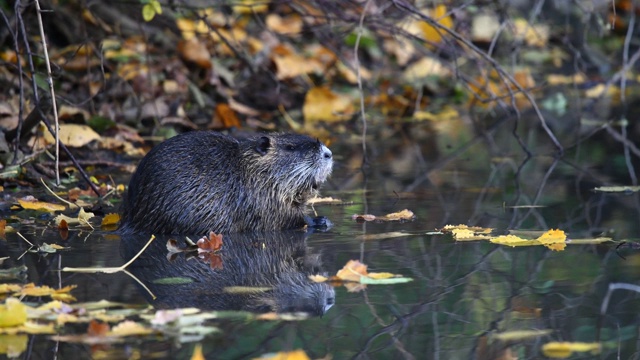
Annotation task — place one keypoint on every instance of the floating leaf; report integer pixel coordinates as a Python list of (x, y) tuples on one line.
[(554, 240), (13, 345), (518, 335), (129, 328), (30, 203), (561, 350), (403, 215), (210, 244), (110, 220), (12, 313), (352, 271), (286, 355), (618, 189)]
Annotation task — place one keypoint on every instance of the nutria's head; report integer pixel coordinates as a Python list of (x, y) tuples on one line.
[(288, 166)]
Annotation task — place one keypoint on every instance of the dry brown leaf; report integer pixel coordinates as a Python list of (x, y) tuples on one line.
[(289, 25), (73, 135), (322, 104), (195, 52), (226, 116), (97, 328)]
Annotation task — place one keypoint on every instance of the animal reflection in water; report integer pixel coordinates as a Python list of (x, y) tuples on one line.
[(276, 264)]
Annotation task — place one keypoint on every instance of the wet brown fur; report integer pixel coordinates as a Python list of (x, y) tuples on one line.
[(205, 181)]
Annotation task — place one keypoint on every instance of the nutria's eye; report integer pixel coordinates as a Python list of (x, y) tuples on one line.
[(289, 147)]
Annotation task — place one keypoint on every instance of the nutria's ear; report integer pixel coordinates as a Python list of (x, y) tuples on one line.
[(262, 145)]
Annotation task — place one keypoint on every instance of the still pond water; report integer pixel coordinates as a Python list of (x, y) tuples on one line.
[(463, 294)]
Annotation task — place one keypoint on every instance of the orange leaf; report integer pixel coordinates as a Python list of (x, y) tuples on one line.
[(352, 271), (97, 328)]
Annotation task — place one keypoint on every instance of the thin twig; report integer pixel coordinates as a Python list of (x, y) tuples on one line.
[(359, 76), (51, 90)]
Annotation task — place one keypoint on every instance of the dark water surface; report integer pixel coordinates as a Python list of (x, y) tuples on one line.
[(463, 294)]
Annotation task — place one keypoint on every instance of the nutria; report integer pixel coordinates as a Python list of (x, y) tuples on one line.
[(205, 181)]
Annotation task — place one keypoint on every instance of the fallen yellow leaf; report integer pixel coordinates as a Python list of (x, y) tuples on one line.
[(321, 104), (31, 203), (73, 135), (129, 328), (12, 313), (561, 350), (286, 355)]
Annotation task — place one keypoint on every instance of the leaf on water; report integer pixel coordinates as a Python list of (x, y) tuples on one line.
[(12, 313), (519, 335), (32, 290), (561, 350), (211, 243), (286, 355), (467, 235), (30, 203), (13, 345), (593, 241), (352, 271), (355, 271), (554, 239), (363, 217), (512, 240), (97, 328), (403, 215), (110, 220), (618, 189), (475, 229), (9, 288), (129, 328)]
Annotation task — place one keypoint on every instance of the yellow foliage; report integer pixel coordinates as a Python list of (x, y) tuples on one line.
[(110, 219), (554, 240), (561, 350), (287, 355), (431, 33), (33, 204), (322, 104), (12, 313), (128, 328)]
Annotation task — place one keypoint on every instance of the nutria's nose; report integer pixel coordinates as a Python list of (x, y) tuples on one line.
[(326, 153)]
